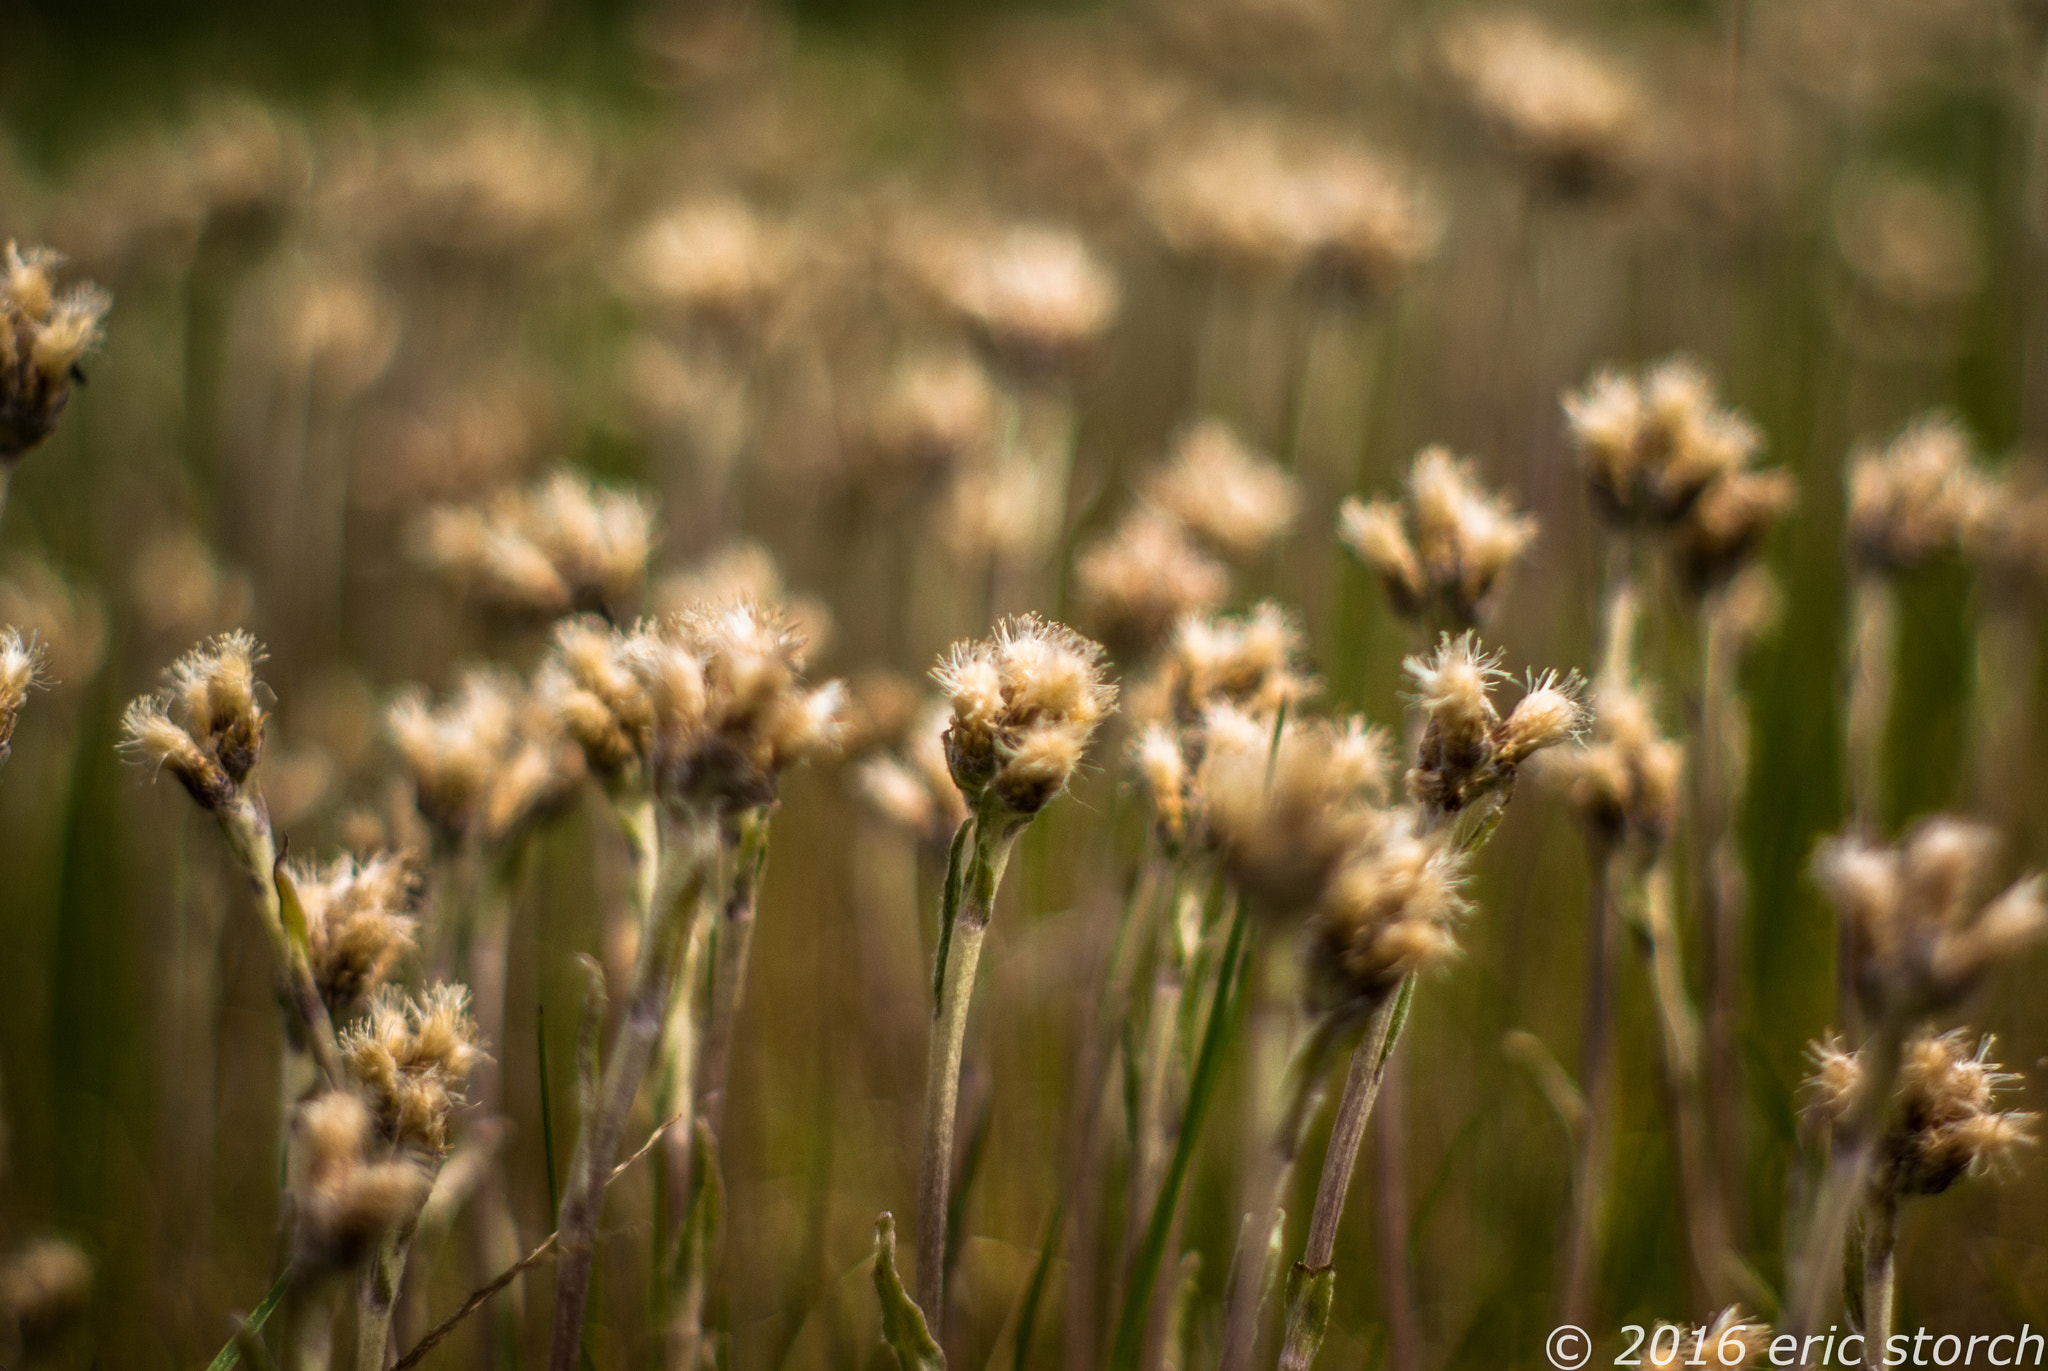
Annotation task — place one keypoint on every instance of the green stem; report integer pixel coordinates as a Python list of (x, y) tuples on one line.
[(1880, 1242), (377, 1295), (1132, 1320), (729, 975), (1304, 1093), (994, 837), (677, 891), (1817, 1276)]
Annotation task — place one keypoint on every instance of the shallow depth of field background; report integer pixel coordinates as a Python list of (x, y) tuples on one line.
[(240, 456)]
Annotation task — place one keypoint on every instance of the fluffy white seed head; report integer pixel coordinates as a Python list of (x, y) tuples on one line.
[(1026, 701), (1233, 498), (206, 726)]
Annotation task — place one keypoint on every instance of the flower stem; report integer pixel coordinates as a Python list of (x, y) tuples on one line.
[(677, 890), (377, 1295), (1880, 1241), (961, 939), (1596, 1080), (1354, 1110), (1699, 1183), (1304, 1094), (1817, 1276)]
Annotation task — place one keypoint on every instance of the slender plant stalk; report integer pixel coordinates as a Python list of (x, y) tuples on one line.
[(1362, 1082), (1698, 1182), (1152, 1128), (1720, 782), (733, 942), (964, 927), (1135, 1316), (681, 874), (729, 974), (2008, 654), (1305, 1078), (1150, 901), (1873, 648), (1817, 1276), (1389, 1127), (1873, 652), (377, 1295), (1596, 1080), (1880, 1244)]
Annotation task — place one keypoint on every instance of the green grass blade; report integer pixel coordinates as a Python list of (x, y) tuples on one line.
[(231, 1354)]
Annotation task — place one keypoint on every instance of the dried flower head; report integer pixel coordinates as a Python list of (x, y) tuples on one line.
[(1921, 928), (1158, 758), (1725, 527), (1026, 701), (1250, 661), (1650, 445), (347, 1190), (45, 1290), (758, 719), (2008, 543), (1943, 1124), (1258, 196), (565, 544), (1066, 111), (21, 670), (1625, 782), (935, 412), (1390, 909), (1285, 804), (1009, 510), (707, 705), (206, 725), (483, 179), (451, 444), (1731, 1339), (745, 571), (1443, 551), (1917, 497), (44, 332), (329, 322), (1135, 583), (411, 1056), (1037, 295), (1910, 241), (715, 259), (359, 923), (1578, 118), (1236, 499), (1468, 751), (486, 762)]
